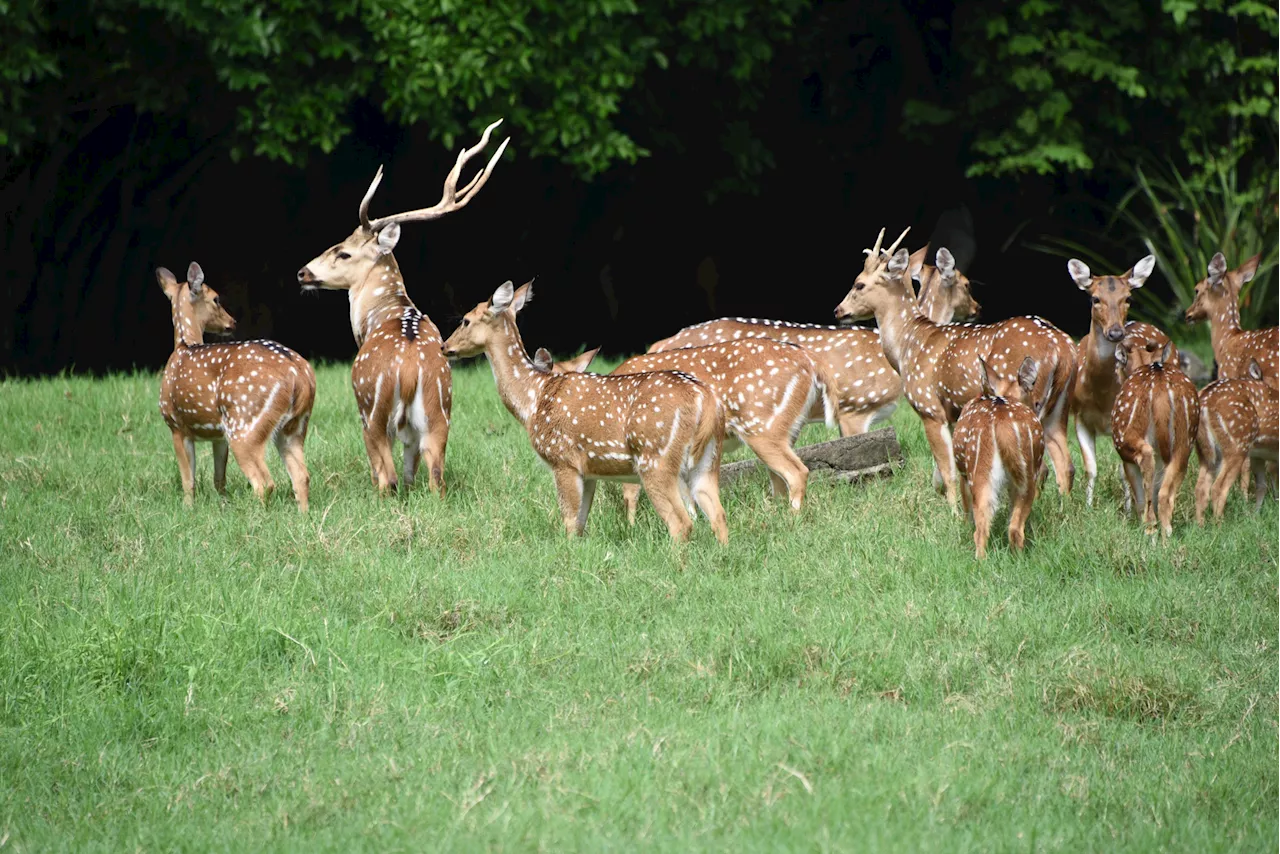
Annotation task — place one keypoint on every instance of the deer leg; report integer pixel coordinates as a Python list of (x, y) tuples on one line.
[(1204, 486), (290, 448), (1019, 510), (584, 507), (939, 435), (983, 504), (631, 500), (1228, 474), (409, 463), (570, 492), (1089, 458), (185, 449), (1259, 470), (432, 449), (661, 486), (378, 443), (686, 498), (252, 459), (220, 452), (966, 496), (1147, 464), (1055, 443), (786, 470), (706, 491), (1174, 472), (1133, 486)]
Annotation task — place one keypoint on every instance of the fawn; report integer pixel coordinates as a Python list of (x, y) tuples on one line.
[(237, 395), (1153, 423), (999, 447), (1218, 301), (1238, 422), (663, 428)]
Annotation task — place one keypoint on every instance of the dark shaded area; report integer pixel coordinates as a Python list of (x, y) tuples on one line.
[(675, 239)]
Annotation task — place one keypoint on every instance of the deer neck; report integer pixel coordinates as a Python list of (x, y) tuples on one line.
[(379, 298), (519, 382), (1224, 322), (186, 330), (899, 320)]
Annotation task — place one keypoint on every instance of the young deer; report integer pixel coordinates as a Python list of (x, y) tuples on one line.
[(664, 428), (767, 389), (1153, 423), (1097, 382), (237, 395), (999, 448), (1238, 422), (939, 364), (866, 386), (401, 379), (1218, 301)]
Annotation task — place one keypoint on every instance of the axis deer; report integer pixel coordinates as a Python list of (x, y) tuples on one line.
[(663, 428), (767, 389), (238, 395), (1238, 422), (939, 363), (402, 381), (866, 385), (1153, 423), (1218, 301), (999, 448), (1097, 381), (944, 292)]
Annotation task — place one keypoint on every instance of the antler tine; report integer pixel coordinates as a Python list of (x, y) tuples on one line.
[(873, 254), (368, 195), (451, 199), (894, 248)]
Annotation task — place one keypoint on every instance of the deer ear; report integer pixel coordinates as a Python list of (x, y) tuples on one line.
[(1079, 273), (946, 262), (898, 262), (388, 237), (195, 278), (985, 378), (1141, 271), (542, 359), (523, 295), (1122, 354), (1255, 370), (1028, 373), (1217, 268), (168, 282), (502, 297), (916, 261), (1247, 270), (581, 362), (1165, 352)]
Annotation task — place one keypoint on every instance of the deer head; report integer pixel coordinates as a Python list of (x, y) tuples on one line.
[(1221, 288), (1009, 388), (882, 271), (1110, 294), (1132, 356), (577, 365), (196, 306), (945, 285), (479, 326), (349, 263)]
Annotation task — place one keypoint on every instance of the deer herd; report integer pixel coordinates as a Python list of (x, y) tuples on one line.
[(993, 399)]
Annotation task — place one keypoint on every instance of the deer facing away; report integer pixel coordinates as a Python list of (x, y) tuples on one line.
[(999, 446), (1238, 424), (402, 381), (238, 395), (663, 428), (1153, 423)]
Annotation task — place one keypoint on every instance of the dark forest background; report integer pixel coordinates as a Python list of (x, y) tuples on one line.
[(671, 161)]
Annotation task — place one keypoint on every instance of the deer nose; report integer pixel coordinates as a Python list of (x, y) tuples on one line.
[(304, 276), (1115, 333)]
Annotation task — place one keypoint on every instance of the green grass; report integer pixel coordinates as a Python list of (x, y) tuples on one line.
[(410, 674)]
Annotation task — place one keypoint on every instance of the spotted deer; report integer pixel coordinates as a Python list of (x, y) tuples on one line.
[(939, 363), (999, 447), (1097, 381), (1238, 423), (866, 386), (767, 389), (402, 381), (1153, 423), (1218, 301), (238, 395), (662, 428)]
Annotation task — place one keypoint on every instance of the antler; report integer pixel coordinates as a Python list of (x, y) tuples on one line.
[(875, 253), (451, 199)]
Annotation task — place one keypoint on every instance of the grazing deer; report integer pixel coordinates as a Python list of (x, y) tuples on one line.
[(401, 379), (999, 448), (1238, 422), (767, 389), (866, 386), (237, 395), (1218, 301), (939, 363), (1153, 423), (663, 428), (1097, 381)]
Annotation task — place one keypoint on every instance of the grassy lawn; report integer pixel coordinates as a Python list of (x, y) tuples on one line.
[(411, 674)]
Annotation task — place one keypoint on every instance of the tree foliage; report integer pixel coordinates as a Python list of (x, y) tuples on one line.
[(280, 77), (1054, 85)]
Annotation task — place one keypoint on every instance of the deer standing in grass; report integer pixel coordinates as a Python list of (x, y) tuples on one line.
[(767, 389), (238, 395), (1239, 422), (1153, 423), (1097, 381), (999, 448), (663, 428), (1218, 301), (402, 381), (939, 363), (866, 387)]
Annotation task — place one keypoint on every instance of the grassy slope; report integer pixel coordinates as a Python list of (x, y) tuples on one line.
[(413, 673)]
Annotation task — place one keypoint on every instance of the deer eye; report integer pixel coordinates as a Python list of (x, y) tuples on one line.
[(466, 322), (217, 301), (1096, 301), (857, 286), (342, 256)]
